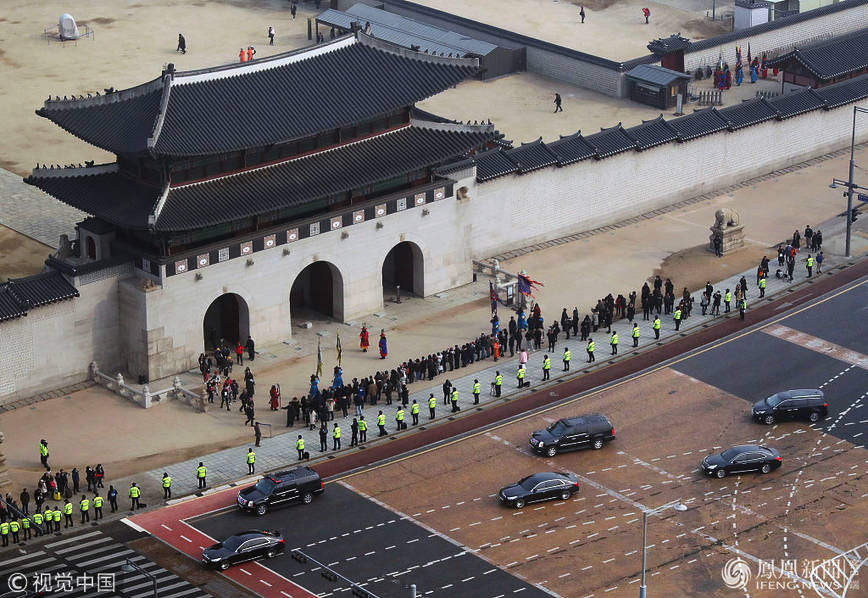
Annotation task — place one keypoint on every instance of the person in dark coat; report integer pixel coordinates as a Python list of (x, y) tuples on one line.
[(249, 345), (182, 44)]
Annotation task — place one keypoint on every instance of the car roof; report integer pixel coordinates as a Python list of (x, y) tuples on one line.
[(544, 476), (293, 474), (801, 393), (251, 533), (588, 418), (749, 448)]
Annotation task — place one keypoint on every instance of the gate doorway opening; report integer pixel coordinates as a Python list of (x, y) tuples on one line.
[(404, 266), (226, 321), (318, 290)]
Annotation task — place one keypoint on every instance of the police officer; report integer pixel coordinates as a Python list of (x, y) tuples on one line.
[(354, 431), (56, 515), (547, 367), (614, 342), (135, 493), (67, 512), (37, 523), (742, 307), (414, 411), (43, 454), (299, 446), (635, 334), (84, 507), (336, 437), (363, 429), (4, 532), (656, 327), (762, 287), (676, 315), (810, 265), (49, 519), (498, 382), (432, 402), (727, 298), (201, 472), (14, 528), (399, 418), (251, 461), (566, 358), (25, 527), (476, 390), (454, 399), (167, 485), (520, 376), (381, 423), (590, 350), (323, 438), (97, 507)]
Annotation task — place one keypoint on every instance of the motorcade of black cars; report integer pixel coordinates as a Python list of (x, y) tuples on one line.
[(548, 485), (243, 547), (571, 433), (301, 484), (740, 459), (803, 403)]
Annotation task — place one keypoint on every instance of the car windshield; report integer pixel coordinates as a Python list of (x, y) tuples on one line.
[(529, 482), (729, 454), (265, 485), (232, 543), (773, 400), (556, 428)]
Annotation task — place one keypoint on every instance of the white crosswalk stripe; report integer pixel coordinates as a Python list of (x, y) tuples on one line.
[(94, 552)]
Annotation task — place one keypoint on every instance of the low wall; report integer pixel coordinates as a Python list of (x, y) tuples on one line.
[(548, 203)]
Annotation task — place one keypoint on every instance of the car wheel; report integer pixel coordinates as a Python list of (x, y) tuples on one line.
[(769, 420), (552, 451), (270, 554), (766, 468), (598, 444), (307, 498), (814, 417), (565, 495), (721, 473), (224, 565), (261, 509), (519, 504)]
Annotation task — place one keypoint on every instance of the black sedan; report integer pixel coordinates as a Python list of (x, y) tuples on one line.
[(246, 546), (738, 459), (539, 487)]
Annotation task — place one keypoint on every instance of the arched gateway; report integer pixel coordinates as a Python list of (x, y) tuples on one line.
[(405, 266), (227, 320), (318, 289)]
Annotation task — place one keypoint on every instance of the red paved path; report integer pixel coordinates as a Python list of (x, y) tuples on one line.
[(168, 523)]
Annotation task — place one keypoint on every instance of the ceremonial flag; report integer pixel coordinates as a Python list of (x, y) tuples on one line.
[(526, 285), (338, 349), (748, 53), (318, 359), (492, 295)]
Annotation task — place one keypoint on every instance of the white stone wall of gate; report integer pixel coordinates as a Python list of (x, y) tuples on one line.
[(520, 210), (783, 39)]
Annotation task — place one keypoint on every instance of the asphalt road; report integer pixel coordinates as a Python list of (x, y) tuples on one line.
[(371, 545)]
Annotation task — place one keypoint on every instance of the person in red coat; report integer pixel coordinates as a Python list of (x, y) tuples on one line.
[(364, 341), (239, 353)]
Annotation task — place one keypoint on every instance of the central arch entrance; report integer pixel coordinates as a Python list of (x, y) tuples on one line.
[(226, 321), (404, 265), (317, 290)]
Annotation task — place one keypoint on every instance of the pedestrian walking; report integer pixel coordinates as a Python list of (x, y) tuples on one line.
[(201, 471), (98, 476), (251, 461), (135, 494), (251, 350), (43, 454), (270, 35), (582, 14), (614, 342), (112, 496), (646, 12), (182, 44), (819, 259), (257, 431), (558, 107), (167, 486), (239, 350)]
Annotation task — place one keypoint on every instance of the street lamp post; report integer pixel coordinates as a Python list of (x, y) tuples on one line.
[(130, 566), (849, 183), (676, 505)]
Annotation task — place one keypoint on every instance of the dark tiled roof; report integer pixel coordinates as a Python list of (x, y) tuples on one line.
[(664, 45), (611, 141), (571, 148), (276, 99), (701, 122), (531, 156), (102, 191), (18, 296), (793, 104), (652, 133), (492, 164), (832, 58), (119, 122), (752, 3), (748, 113), (655, 75), (844, 92)]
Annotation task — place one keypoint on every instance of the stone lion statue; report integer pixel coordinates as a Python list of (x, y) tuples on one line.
[(725, 217)]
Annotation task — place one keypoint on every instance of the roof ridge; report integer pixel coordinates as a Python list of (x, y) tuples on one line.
[(99, 99), (454, 126), (44, 172), (161, 116), (385, 46)]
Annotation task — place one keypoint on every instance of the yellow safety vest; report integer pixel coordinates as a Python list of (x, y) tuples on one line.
[(67, 508), (498, 380), (363, 425), (25, 523), (727, 297), (299, 444), (810, 262), (454, 394), (14, 527), (167, 481), (432, 402), (399, 415), (336, 433), (636, 332), (567, 355), (614, 339), (251, 457), (84, 505), (677, 314), (201, 471), (656, 324), (414, 408), (381, 420), (37, 518), (97, 502), (43, 450), (57, 515), (762, 283), (547, 364), (4, 528), (135, 492), (476, 388), (591, 347), (520, 373)]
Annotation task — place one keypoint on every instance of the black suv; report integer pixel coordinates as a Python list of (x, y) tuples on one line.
[(809, 404), (276, 489), (573, 433)]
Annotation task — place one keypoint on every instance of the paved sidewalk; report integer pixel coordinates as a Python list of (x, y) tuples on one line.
[(279, 452)]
